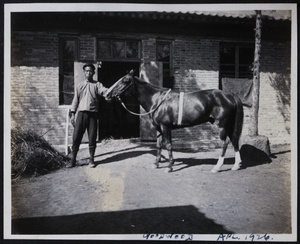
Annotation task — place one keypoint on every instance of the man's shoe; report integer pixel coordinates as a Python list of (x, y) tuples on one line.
[(92, 163), (71, 164), (72, 161)]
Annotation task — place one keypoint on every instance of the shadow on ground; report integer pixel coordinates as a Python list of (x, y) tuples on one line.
[(123, 156), (183, 219), (191, 162), (251, 156)]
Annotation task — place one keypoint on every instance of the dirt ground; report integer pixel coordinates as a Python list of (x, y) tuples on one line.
[(124, 194)]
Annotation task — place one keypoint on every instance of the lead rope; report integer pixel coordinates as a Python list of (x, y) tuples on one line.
[(151, 111)]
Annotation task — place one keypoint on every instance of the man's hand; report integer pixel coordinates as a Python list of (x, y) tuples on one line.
[(73, 119)]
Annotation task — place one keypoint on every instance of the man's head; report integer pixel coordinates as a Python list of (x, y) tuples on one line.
[(89, 71)]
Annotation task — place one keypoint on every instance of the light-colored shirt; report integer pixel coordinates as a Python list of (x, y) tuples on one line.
[(86, 96)]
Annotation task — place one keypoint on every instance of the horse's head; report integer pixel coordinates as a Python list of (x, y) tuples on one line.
[(120, 86)]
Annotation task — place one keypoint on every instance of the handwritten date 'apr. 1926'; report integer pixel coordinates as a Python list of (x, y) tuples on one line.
[(251, 237)]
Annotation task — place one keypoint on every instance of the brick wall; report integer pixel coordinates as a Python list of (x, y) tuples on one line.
[(34, 102), (196, 67), (148, 49), (87, 47), (35, 80), (274, 111), (34, 85), (34, 49)]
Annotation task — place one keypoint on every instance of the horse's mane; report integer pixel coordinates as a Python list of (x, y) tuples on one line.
[(142, 81)]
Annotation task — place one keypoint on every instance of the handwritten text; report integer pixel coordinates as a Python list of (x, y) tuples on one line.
[(185, 237), (251, 237)]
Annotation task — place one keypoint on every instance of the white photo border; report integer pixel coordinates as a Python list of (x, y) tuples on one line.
[(94, 7)]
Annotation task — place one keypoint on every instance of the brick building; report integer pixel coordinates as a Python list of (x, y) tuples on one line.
[(194, 50)]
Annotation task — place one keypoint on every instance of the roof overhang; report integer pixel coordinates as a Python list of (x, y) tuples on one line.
[(189, 23)]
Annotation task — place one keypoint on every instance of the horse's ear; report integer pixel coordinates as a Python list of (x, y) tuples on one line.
[(131, 72)]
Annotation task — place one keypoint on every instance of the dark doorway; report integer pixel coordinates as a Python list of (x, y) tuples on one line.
[(115, 122)]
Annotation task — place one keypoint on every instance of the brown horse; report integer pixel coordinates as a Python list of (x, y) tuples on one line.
[(170, 110)]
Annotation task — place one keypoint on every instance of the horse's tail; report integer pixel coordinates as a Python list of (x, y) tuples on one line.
[(238, 122)]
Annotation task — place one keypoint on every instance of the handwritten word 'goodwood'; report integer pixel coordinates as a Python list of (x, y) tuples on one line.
[(185, 237)]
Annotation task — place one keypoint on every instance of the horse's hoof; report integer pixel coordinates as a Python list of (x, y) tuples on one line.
[(215, 170), (169, 170), (235, 168), (155, 166)]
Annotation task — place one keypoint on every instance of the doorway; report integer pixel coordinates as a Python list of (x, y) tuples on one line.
[(115, 122)]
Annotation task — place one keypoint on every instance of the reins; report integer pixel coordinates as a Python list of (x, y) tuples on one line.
[(151, 111)]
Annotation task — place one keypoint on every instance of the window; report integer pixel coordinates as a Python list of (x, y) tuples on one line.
[(118, 49), (164, 54), (236, 60), (68, 54)]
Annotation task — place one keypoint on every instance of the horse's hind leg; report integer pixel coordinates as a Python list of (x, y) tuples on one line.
[(158, 147), (220, 162), (238, 161)]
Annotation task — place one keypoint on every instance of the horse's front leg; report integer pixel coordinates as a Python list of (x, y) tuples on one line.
[(158, 147), (168, 137)]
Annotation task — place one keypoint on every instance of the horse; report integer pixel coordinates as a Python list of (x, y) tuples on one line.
[(171, 110)]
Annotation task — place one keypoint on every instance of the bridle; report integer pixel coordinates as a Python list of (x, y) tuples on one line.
[(125, 89), (142, 114)]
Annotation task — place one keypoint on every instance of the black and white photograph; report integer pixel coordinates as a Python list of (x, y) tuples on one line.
[(131, 121)]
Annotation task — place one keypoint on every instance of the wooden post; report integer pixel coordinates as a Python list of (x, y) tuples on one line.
[(253, 128), (67, 132), (257, 143)]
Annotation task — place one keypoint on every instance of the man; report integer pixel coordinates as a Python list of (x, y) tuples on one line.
[(85, 103)]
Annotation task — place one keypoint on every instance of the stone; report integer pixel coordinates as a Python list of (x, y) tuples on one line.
[(255, 150), (260, 142)]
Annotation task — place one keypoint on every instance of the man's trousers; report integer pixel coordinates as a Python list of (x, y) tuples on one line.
[(85, 121)]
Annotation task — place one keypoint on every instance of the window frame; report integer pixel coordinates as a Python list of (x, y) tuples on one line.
[(112, 40), (237, 64), (170, 62), (62, 40)]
